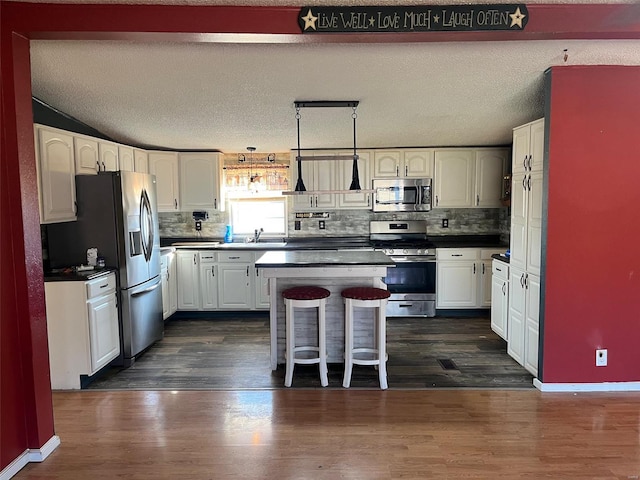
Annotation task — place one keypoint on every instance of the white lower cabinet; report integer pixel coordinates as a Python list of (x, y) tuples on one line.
[(235, 282), (208, 281), (524, 312), (82, 325), (261, 290), (168, 276), (188, 270), (463, 277), (500, 298)]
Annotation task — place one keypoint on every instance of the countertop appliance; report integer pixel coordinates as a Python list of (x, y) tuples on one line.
[(402, 194), (117, 214), (412, 282)]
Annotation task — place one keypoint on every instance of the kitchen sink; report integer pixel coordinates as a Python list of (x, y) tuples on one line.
[(195, 244), (233, 246)]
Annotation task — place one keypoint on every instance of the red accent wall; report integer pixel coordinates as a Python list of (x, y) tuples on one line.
[(26, 415), (592, 282)]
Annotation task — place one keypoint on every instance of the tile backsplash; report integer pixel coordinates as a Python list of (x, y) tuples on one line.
[(461, 221)]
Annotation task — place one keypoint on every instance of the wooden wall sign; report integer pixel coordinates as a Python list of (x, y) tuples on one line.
[(437, 18)]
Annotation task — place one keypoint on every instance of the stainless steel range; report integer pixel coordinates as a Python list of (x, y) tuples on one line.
[(412, 282)]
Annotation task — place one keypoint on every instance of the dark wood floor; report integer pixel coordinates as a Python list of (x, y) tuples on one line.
[(233, 353)]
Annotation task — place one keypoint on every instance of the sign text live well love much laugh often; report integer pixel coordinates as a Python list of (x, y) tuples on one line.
[(452, 18)]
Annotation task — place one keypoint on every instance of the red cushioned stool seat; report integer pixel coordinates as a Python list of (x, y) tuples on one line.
[(365, 293), (307, 292)]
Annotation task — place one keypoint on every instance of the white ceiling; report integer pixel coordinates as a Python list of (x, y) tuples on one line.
[(228, 96)]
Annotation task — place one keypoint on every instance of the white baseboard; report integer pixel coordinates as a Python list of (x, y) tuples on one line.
[(30, 455), (587, 387)]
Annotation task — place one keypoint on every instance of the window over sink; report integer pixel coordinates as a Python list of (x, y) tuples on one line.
[(249, 214)]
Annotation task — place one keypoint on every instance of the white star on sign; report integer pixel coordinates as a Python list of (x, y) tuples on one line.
[(310, 20), (516, 18)]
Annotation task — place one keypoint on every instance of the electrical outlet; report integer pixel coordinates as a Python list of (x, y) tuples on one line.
[(296, 225), (321, 224), (198, 225), (445, 223), (601, 357)]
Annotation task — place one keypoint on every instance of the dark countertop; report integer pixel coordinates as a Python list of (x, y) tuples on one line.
[(70, 275), (330, 243), (322, 258), (501, 257)]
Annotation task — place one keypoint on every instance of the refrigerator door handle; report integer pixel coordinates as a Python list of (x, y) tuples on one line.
[(146, 290), (146, 224)]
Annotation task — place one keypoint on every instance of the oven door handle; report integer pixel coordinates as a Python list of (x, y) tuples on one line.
[(414, 259)]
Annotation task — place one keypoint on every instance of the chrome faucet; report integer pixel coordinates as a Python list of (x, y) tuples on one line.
[(257, 234)]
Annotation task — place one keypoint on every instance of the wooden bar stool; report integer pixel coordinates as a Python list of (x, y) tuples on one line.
[(367, 297), (305, 297)]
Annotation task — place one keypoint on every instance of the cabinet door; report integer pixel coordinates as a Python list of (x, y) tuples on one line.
[(484, 297), (172, 273), (521, 150), (532, 323), (125, 158), (418, 163), (454, 178), (108, 156), (188, 280), (209, 286), (140, 161), (534, 223), (198, 181), (457, 284), (164, 278), (499, 306), (86, 156), (234, 286), (324, 172), (386, 163), (261, 292), (302, 202), (518, 241), (57, 176), (517, 308), (489, 170), (164, 165), (103, 331), (536, 148), (345, 174)]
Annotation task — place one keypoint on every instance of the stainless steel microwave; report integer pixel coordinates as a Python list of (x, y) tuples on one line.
[(402, 194)]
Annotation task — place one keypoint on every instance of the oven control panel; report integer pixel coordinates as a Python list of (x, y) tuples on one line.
[(410, 251)]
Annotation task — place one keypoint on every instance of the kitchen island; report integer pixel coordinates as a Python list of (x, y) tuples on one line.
[(330, 269)]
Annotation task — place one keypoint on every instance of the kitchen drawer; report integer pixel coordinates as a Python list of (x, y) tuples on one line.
[(500, 270), (457, 253), (101, 286), (207, 257), (242, 257)]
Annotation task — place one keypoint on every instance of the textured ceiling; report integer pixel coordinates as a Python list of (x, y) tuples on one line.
[(227, 96)]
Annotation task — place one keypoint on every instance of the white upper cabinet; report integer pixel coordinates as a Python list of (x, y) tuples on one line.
[(56, 172), (318, 177), (403, 163), (453, 184), (86, 155), (140, 161), (489, 172), (199, 187), (164, 165), (108, 156), (125, 158), (345, 175), (469, 177)]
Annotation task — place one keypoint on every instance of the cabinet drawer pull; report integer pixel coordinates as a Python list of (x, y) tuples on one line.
[(104, 167), (504, 288), (397, 171), (233, 258), (456, 254), (247, 271), (104, 286), (215, 203), (175, 203), (474, 268), (498, 269), (98, 165), (477, 200)]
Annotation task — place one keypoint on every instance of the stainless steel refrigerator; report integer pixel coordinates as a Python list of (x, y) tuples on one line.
[(117, 214)]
